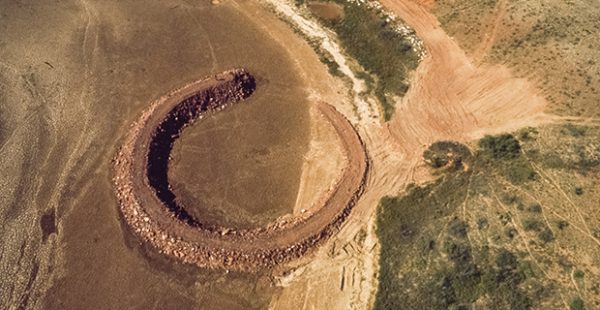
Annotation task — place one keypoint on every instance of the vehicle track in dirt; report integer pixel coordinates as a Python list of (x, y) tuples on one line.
[(451, 97)]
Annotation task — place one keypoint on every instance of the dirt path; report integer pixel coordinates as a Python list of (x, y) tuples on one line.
[(490, 37)]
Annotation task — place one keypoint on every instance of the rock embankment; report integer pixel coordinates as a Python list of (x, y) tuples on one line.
[(151, 210)]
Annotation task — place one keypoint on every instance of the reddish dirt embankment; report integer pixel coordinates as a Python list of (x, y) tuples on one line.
[(149, 207)]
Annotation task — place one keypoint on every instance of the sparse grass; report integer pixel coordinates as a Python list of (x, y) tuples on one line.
[(576, 151), (462, 279), (326, 58), (401, 222), (557, 41)]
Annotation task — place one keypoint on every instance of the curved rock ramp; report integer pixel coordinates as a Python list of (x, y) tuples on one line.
[(153, 213)]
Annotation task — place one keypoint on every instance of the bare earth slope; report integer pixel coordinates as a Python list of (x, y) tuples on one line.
[(451, 97)]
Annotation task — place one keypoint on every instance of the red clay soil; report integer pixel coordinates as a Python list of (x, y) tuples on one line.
[(149, 210), (453, 98)]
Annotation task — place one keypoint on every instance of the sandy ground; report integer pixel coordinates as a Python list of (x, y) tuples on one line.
[(73, 76), (323, 164)]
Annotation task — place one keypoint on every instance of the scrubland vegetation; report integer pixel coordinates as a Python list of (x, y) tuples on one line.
[(369, 37), (493, 233)]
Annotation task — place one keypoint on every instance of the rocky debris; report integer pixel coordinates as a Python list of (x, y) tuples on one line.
[(149, 208), (214, 98)]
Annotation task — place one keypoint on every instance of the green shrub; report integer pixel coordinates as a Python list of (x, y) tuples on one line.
[(510, 232), (379, 48), (458, 228), (532, 225), (562, 224), (546, 235), (577, 304), (527, 133), (575, 131), (535, 208), (441, 153), (482, 223), (501, 147)]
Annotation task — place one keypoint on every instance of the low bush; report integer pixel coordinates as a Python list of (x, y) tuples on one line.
[(546, 235), (532, 225), (577, 304), (535, 208), (442, 153), (501, 147)]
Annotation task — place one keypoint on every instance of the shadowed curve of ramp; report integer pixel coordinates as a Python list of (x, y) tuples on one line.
[(149, 206)]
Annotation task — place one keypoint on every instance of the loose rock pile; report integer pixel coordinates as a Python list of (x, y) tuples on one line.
[(150, 209)]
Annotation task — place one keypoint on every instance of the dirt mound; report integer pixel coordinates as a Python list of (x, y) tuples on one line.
[(150, 208)]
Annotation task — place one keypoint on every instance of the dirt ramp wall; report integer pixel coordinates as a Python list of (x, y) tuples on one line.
[(230, 90), (151, 210)]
